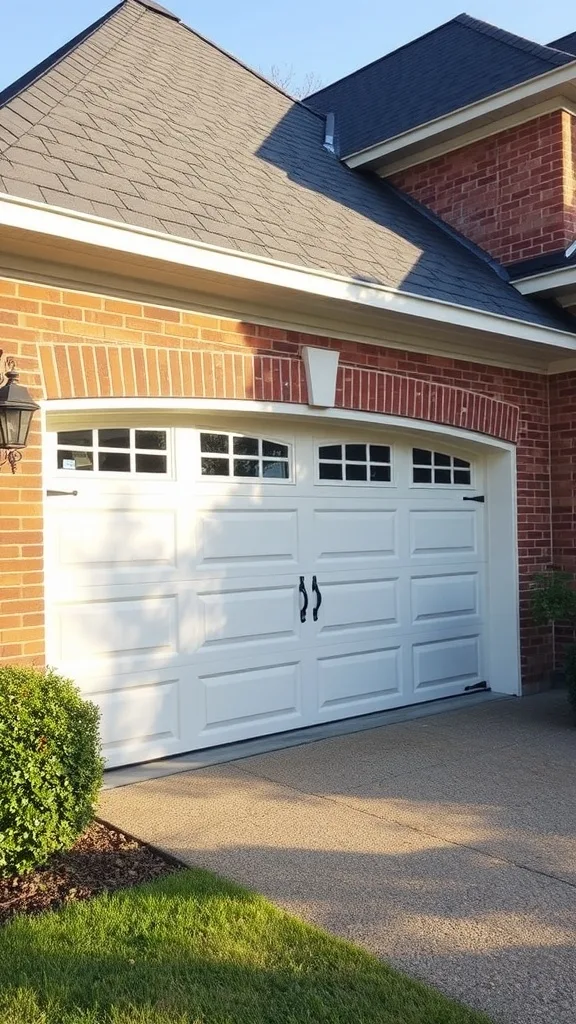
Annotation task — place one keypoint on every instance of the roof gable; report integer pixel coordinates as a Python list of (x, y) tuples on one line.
[(144, 122), (460, 62)]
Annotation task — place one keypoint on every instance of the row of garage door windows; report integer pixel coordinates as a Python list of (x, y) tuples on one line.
[(125, 450)]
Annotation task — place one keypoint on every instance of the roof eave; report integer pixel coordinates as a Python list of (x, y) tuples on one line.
[(559, 283), (559, 82), (55, 223)]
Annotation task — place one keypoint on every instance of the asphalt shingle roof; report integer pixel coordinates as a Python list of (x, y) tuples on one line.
[(456, 64), (145, 122), (566, 43)]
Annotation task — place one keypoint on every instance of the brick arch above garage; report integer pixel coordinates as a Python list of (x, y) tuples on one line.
[(90, 371)]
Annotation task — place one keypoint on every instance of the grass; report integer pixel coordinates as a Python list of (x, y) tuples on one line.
[(194, 949)]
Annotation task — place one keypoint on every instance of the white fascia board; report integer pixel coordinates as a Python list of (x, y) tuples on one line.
[(488, 107), (547, 281), (86, 229)]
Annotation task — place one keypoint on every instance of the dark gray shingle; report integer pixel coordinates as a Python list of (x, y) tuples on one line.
[(454, 65), (565, 43)]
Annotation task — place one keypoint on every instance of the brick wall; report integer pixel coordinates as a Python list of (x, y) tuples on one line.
[(563, 478), (72, 344), (511, 193), (21, 565)]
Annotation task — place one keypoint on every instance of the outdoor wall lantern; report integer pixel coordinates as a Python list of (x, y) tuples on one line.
[(16, 411)]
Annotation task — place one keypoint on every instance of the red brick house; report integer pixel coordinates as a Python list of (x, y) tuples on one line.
[(306, 376)]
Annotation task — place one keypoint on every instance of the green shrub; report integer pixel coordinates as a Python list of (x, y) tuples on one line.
[(50, 766), (553, 598)]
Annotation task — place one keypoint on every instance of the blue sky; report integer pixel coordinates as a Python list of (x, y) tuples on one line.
[(321, 36)]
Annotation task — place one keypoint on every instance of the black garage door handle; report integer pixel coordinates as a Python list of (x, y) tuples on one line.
[(303, 591), (316, 590)]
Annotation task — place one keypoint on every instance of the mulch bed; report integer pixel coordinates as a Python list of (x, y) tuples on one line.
[(102, 860)]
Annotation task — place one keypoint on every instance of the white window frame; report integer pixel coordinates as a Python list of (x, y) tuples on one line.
[(131, 450), (231, 456), (371, 484)]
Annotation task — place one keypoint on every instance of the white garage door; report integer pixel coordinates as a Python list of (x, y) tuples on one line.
[(211, 584)]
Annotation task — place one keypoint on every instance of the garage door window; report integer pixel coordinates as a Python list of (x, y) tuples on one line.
[(113, 450), (355, 463), (438, 468), (244, 458)]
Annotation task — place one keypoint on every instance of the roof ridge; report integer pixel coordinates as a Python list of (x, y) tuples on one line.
[(385, 56), (231, 56), (30, 77), (511, 38), (158, 9)]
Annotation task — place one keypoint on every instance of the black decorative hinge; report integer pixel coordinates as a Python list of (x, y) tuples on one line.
[(477, 497)]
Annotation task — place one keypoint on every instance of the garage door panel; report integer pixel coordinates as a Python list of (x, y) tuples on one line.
[(446, 662), (250, 701), (441, 599), (95, 539), (444, 534), (242, 540), (119, 538), (141, 714), (354, 606), (246, 615), (358, 681), (347, 536), (117, 629)]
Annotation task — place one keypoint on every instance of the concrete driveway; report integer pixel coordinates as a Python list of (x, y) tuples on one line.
[(445, 845)]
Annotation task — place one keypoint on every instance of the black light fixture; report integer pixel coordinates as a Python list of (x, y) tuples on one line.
[(16, 411)]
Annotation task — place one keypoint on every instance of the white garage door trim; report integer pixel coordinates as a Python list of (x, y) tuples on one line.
[(501, 618)]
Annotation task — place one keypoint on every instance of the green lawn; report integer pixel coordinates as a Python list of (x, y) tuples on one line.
[(194, 949)]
